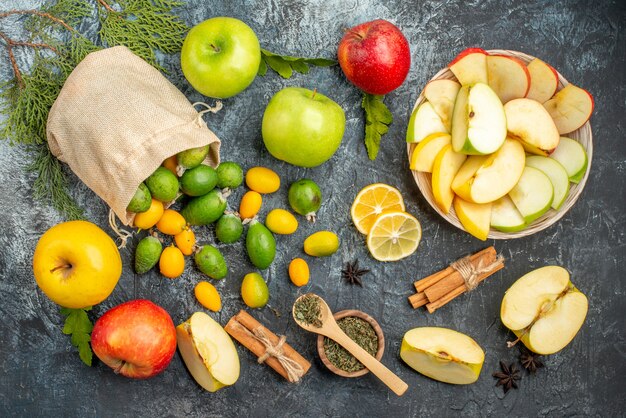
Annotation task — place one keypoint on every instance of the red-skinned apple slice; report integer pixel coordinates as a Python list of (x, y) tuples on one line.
[(544, 80), (442, 95), (529, 122), (470, 66), (570, 108), (508, 77)]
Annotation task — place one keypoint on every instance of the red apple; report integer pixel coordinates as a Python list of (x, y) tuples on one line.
[(375, 56), (136, 339)]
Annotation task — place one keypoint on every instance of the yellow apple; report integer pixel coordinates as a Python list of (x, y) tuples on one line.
[(76, 264), (425, 152), (208, 352), (445, 167), (443, 354), (475, 217)]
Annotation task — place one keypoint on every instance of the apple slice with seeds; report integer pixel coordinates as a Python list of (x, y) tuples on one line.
[(424, 121), (508, 77), (557, 174), (533, 194), (470, 66), (570, 108), (442, 95), (573, 158), (544, 80), (505, 217)]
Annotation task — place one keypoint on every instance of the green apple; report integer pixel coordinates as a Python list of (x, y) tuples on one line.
[(544, 309), (424, 122), (220, 57), (424, 154), (445, 167), (533, 194), (442, 354), (475, 217), (572, 157), (529, 122), (478, 121), (484, 179), (557, 174), (208, 352), (441, 94), (505, 217), (302, 127)]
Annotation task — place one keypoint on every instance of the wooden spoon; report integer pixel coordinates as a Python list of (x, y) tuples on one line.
[(331, 330)]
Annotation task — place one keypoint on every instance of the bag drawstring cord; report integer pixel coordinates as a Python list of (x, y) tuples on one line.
[(122, 234), (218, 106)]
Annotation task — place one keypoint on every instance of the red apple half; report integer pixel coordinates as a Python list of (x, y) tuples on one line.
[(136, 339), (508, 77)]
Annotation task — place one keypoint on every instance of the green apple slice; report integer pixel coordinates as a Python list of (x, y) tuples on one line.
[(424, 154), (478, 121), (533, 194), (441, 94), (442, 354), (573, 158), (557, 174), (475, 217), (505, 217), (208, 352), (424, 121), (445, 167), (544, 309)]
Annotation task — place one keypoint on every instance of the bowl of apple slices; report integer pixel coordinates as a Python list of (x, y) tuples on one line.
[(500, 143)]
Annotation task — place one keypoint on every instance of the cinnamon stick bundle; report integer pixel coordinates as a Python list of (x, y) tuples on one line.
[(461, 276), (267, 346)]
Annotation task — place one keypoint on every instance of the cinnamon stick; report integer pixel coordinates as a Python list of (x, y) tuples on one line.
[(426, 282), (455, 279), (417, 300), (245, 320)]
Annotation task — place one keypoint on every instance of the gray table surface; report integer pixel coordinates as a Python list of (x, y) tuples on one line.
[(41, 374)]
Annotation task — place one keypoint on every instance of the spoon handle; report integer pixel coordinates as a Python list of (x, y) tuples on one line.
[(397, 385)]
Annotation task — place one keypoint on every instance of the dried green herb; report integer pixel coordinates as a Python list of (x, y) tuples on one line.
[(307, 309), (361, 332)]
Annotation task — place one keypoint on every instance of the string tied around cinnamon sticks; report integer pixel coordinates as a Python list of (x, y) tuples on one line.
[(459, 277)]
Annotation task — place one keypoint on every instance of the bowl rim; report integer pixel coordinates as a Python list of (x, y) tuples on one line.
[(582, 135), (377, 329)]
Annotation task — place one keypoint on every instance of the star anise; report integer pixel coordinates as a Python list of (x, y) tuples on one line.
[(530, 361), (507, 377), (352, 273)]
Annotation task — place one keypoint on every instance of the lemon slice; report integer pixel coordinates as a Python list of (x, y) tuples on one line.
[(393, 236), (372, 201)]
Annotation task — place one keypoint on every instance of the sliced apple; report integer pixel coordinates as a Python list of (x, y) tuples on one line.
[(505, 217), (508, 77), (494, 177), (425, 152), (478, 121), (445, 167), (442, 354), (533, 194), (475, 217), (570, 108), (557, 175), (424, 121), (544, 309), (528, 121), (442, 95), (544, 81), (208, 352), (470, 66), (573, 158)]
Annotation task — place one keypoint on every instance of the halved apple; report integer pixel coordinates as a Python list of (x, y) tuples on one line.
[(425, 152), (533, 194), (505, 217), (208, 352), (442, 354), (508, 77), (557, 174), (570, 108), (573, 158), (424, 121), (442, 95), (544, 309), (470, 66), (544, 81), (478, 121), (475, 217), (484, 180), (445, 167), (528, 121)]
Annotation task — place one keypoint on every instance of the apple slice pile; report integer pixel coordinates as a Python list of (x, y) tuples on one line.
[(493, 140)]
